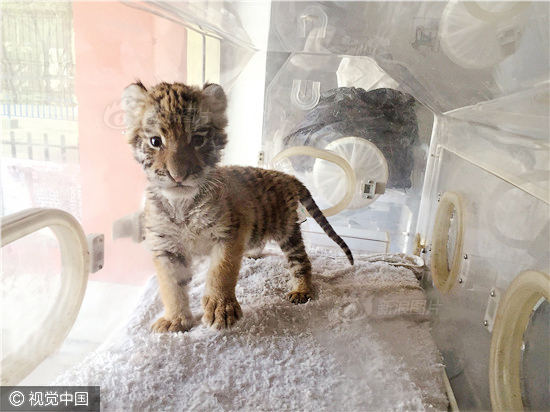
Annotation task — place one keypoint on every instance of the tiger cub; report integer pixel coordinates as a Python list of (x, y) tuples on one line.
[(195, 207)]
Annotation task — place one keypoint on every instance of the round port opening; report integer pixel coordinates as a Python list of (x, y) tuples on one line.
[(525, 301), (369, 166)]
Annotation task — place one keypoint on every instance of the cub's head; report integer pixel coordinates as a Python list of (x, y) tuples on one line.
[(177, 133)]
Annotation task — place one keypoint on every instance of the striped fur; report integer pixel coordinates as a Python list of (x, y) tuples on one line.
[(196, 208)]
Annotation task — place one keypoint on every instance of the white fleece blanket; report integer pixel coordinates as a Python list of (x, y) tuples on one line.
[(362, 344)]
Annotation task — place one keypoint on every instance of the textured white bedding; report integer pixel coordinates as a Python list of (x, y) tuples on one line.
[(362, 344)]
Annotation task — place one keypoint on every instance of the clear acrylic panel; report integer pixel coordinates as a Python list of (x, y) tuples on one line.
[(29, 285)]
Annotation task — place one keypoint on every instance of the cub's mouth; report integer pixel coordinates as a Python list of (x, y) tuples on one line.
[(179, 190)]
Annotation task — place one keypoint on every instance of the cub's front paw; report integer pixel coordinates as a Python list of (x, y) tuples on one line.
[(298, 297), (177, 324), (220, 314)]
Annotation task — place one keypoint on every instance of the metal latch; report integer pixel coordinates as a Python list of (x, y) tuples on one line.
[(508, 39)]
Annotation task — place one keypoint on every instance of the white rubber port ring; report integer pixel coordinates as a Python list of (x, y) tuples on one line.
[(480, 13), (46, 338), (450, 205), (331, 157), (513, 314)]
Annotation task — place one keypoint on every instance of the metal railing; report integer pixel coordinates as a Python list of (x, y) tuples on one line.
[(40, 146)]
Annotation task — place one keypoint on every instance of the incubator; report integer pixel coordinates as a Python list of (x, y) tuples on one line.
[(420, 128)]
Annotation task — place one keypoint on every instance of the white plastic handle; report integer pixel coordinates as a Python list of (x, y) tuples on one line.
[(316, 16), (75, 260), (331, 157), (305, 94)]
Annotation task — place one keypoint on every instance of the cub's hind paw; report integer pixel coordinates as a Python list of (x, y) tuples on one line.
[(220, 314), (177, 324), (298, 297), (254, 255)]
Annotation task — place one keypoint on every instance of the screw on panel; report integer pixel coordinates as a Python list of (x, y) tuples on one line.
[(460, 280), (492, 293), (465, 256), (485, 323), (439, 196)]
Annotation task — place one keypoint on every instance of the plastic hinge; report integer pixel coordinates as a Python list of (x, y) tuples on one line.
[(464, 270), (491, 310), (508, 40), (96, 247)]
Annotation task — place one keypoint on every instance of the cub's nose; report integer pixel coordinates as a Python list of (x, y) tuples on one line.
[(176, 177)]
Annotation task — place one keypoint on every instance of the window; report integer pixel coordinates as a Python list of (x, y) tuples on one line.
[(39, 112), (39, 107)]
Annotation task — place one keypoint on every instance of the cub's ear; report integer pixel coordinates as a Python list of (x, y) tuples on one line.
[(214, 104), (133, 100)]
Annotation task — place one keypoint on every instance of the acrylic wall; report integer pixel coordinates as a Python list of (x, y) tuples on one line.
[(495, 232), (64, 67), (328, 46)]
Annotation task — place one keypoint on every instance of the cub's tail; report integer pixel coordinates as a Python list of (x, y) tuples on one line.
[(315, 212)]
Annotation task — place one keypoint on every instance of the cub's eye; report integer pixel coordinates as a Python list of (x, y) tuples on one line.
[(198, 140), (155, 141)]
